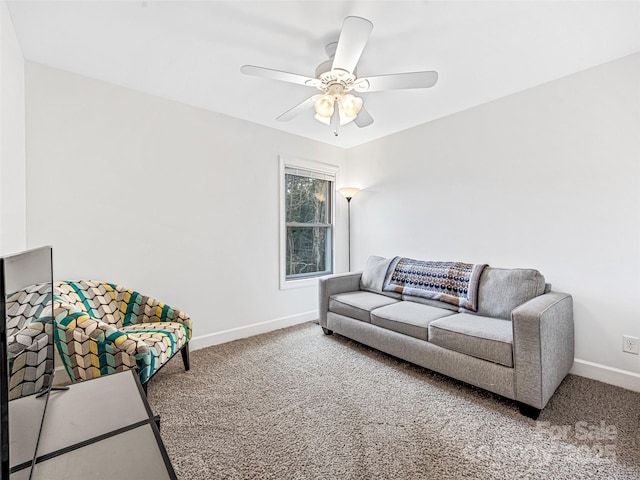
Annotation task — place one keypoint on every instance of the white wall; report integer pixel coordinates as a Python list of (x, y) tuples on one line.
[(12, 139), (181, 203), (175, 202), (548, 178)]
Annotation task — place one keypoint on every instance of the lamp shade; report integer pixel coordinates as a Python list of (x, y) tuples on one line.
[(349, 192)]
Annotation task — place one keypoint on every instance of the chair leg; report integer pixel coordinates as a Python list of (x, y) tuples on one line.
[(144, 387), (185, 357)]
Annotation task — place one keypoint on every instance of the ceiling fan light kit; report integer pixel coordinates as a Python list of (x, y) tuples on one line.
[(336, 78), (348, 106)]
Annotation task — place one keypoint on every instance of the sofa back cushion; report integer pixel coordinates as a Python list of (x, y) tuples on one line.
[(500, 290), (372, 279), (503, 289)]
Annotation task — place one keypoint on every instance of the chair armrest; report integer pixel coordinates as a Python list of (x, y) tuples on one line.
[(137, 308), (90, 348), (333, 284), (543, 346)]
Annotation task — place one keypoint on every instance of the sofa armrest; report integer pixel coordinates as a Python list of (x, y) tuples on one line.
[(137, 308), (543, 345), (339, 283)]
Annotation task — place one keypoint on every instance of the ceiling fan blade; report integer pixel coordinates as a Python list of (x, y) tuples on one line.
[(396, 81), (279, 75), (353, 37), (302, 106), (364, 119)]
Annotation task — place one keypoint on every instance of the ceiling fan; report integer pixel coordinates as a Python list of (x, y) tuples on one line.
[(336, 79)]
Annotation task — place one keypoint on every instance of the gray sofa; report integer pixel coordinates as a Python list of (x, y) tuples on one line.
[(518, 343)]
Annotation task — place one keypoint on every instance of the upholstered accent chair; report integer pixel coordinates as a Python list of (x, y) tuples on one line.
[(29, 329), (103, 328)]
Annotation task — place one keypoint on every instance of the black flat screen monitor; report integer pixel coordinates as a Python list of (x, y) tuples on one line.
[(26, 356)]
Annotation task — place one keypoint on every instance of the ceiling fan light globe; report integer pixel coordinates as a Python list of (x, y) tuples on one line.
[(345, 120), (350, 105), (324, 106)]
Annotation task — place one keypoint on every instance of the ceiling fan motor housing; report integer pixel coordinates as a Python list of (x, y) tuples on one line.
[(331, 78)]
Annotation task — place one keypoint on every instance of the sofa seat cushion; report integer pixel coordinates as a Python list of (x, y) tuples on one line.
[(481, 337), (163, 338), (358, 304), (409, 318)]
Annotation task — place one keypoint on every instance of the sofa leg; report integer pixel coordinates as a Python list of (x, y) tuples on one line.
[(327, 331), (528, 411), (185, 357)]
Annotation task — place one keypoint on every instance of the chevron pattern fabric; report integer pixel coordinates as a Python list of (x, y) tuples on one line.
[(29, 328), (136, 309), (102, 328)]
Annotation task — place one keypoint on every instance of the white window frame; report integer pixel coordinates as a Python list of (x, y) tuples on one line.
[(314, 166)]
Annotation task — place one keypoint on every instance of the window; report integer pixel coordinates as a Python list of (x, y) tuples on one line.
[(307, 194)]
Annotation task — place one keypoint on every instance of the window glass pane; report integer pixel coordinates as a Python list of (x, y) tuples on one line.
[(308, 250), (306, 199)]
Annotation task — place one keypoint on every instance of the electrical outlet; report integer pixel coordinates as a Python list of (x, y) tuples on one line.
[(630, 344)]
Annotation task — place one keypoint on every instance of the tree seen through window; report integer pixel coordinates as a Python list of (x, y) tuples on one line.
[(308, 226)]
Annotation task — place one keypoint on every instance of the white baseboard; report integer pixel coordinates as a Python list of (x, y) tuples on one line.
[(583, 368), (217, 338), (610, 375)]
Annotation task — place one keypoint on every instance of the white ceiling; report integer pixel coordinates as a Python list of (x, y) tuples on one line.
[(192, 51)]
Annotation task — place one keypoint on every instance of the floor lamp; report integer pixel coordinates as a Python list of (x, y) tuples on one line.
[(349, 193)]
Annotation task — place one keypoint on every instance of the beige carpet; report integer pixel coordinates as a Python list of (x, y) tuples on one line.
[(296, 404)]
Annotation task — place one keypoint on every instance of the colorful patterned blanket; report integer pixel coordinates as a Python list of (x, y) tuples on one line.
[(451, 282)]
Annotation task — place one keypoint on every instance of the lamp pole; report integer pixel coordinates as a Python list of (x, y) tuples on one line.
[(349, 230), (349, 193)]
